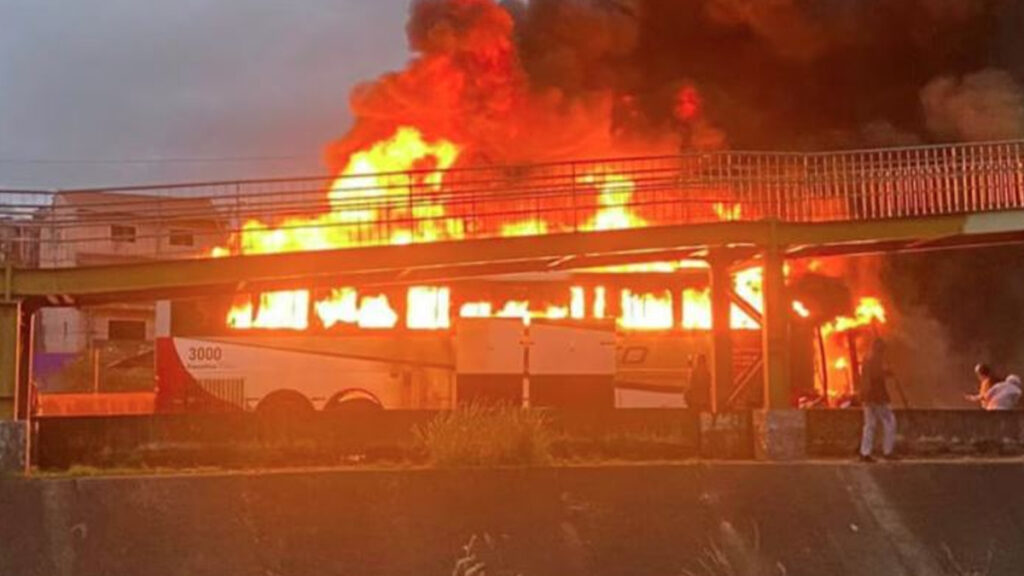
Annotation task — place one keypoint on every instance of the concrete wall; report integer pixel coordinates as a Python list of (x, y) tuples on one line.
[(12, 447), (922, 432), (245, 440), (326, 438), (811, 519)]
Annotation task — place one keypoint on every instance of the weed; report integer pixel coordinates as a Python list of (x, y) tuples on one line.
[(486, 435)]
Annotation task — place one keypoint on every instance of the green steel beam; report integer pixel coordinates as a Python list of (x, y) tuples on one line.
[(460, 259), (439, 258), (871, 232)]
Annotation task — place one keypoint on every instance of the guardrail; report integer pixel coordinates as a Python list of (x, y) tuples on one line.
[(246, 216)]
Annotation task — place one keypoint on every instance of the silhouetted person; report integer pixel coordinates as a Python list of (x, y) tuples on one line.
[(698, 396), (875, 399), (986, 380)]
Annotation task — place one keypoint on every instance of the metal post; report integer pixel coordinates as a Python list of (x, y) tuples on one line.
[(95, 370), (527, 402), (823, 362), (721, 331), (24, 391), (851, 347), (774, 331), (575, 205)]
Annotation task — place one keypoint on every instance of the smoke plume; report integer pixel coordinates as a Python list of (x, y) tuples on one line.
[(554, 79), (986, 105)]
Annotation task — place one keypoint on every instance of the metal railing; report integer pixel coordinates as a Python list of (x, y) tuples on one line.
[(76, 227)]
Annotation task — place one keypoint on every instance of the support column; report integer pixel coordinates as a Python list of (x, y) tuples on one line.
[(10, 358), (774, 330), (721, 330), (779, 429), (13, 378)]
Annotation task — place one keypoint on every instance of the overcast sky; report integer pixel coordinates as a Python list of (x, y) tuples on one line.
[(103, 80)]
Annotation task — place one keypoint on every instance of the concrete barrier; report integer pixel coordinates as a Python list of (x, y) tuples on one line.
[(922, 432), (245, 440), (12, 447), (747, 519)]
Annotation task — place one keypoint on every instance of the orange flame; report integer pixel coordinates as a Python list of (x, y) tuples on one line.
[(600, 302), (345, 306), (578, 303), (800, 309), (398, 180), (524, 228), (869, 311), (428, 308), (475, 310), (377, 183), (646, 311), (727, 212), (614, 194), (287, 309)]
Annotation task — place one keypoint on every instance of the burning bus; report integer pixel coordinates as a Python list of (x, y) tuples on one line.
[(594, 339), (541, 342), (624, 335)]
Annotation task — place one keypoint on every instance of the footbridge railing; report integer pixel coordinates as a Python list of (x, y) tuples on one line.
[(78, 227)]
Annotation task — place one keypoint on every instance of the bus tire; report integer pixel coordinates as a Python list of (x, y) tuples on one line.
[(355, 401), (284, 403)]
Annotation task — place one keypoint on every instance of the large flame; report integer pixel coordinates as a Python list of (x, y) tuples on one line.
[(613, 202), (395, 181), (391, 193), (869, 311), (838, 340), (647, 311), (345, 306)]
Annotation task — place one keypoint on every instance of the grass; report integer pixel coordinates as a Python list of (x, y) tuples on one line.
[(955, 568), (486, 435), (732, 553)]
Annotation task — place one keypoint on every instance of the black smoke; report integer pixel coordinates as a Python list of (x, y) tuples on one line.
[(795, 74)]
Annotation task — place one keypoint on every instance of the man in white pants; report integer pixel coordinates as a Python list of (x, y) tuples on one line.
[(875, 398)]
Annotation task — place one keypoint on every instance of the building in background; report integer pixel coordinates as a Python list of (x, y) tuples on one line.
[(19, 243), (104, 228)]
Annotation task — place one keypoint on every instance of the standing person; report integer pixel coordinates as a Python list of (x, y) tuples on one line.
[(1003, 395), (698, 396), (875, 398), (986, 380)]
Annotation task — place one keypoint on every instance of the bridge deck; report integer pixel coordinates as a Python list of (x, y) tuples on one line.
[(434, 262)]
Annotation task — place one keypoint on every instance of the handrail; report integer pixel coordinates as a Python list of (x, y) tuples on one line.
[(482, 201)]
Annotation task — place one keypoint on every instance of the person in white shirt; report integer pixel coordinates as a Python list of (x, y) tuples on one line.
[(1003, 396)]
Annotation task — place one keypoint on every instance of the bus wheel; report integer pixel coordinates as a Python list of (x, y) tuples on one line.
[(353, 402), (284, 403)]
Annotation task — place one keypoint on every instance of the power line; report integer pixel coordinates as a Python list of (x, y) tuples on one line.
[(115, 161)]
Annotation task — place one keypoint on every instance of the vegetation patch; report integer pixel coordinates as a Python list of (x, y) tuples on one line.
[(487, 435)]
